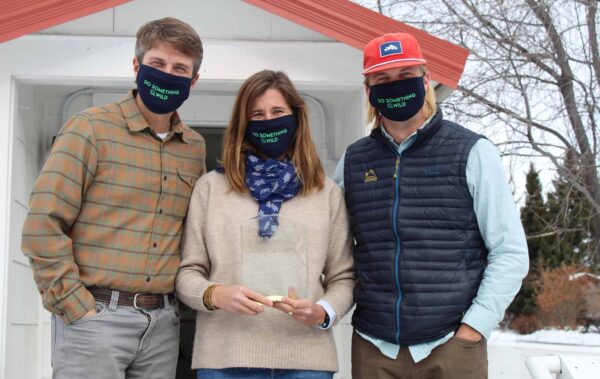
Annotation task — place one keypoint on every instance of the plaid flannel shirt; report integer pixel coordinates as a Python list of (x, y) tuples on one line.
[(108, 207)]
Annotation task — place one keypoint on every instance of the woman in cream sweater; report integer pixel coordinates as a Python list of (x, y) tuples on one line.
[(268, 222)]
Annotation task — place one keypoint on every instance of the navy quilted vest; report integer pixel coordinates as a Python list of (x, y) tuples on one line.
[(419, 256)]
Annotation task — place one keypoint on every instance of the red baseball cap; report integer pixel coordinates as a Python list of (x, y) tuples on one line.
[(391, 50)]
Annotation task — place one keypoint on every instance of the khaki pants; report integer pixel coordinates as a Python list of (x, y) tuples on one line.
[(456, 359), (119, 342)]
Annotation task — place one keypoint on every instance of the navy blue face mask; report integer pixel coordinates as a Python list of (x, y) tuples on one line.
[(398, 100), (272, 137), (161, 92)]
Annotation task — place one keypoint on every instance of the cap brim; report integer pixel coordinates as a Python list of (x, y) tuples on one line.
[(394, 64)]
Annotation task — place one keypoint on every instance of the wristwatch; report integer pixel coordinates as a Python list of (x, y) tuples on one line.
[(326, 322)]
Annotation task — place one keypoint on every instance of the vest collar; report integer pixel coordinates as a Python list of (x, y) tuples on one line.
[(427, 132), (423, 134)]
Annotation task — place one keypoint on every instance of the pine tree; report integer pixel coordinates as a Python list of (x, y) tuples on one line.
[(534, 218), (570, 214)]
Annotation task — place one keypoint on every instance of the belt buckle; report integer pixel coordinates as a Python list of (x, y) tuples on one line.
[(135, 297)]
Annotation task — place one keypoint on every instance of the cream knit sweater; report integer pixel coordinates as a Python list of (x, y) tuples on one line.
[(211, 253)]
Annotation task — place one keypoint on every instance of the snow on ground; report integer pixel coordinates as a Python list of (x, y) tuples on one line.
[(508, 350)]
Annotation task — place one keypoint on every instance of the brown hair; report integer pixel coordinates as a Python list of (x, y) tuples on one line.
[(429, 106), (173, 31), (302, 151)]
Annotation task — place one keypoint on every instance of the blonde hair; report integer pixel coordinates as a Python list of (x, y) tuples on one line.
[(302, 151), (428, 109)]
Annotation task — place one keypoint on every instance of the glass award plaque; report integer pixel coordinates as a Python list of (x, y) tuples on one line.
[(271, 265)]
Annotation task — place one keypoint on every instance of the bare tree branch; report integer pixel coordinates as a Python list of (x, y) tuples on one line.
[(532, 82), (514, 115), (593, 37), (552, 233), (568, 93)]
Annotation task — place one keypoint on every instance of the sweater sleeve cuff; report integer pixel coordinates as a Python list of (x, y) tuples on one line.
[(74, 306), (194, 294), (339, 304)]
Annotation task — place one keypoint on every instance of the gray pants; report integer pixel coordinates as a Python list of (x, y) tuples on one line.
[(119, 342)]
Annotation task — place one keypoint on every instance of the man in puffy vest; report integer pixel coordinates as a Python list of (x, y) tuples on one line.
[(440, 250)]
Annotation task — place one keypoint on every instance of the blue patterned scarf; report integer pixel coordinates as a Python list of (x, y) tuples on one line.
[(270, 182)]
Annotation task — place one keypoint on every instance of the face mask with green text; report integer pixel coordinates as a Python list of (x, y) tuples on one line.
[(272, 137), (162, 92), (398, 100)]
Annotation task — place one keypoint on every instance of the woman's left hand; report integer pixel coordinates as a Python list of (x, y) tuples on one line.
[(303, 311)]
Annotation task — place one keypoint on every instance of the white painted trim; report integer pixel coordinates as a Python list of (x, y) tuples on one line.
[(4, 216)]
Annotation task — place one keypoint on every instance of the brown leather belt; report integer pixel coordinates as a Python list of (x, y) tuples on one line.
[(129, 299)]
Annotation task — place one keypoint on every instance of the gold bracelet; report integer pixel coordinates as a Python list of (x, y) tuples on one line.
[(207, 297)]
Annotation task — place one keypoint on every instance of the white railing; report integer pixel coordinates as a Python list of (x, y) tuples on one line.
[(543, 367), (563, 367)]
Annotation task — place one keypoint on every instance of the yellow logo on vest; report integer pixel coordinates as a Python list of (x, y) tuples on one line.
[(370, 176)]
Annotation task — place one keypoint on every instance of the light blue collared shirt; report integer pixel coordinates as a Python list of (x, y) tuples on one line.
[(330, 312), (501, 229)]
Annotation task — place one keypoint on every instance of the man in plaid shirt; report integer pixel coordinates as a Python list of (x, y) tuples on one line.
[(106, 214)]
